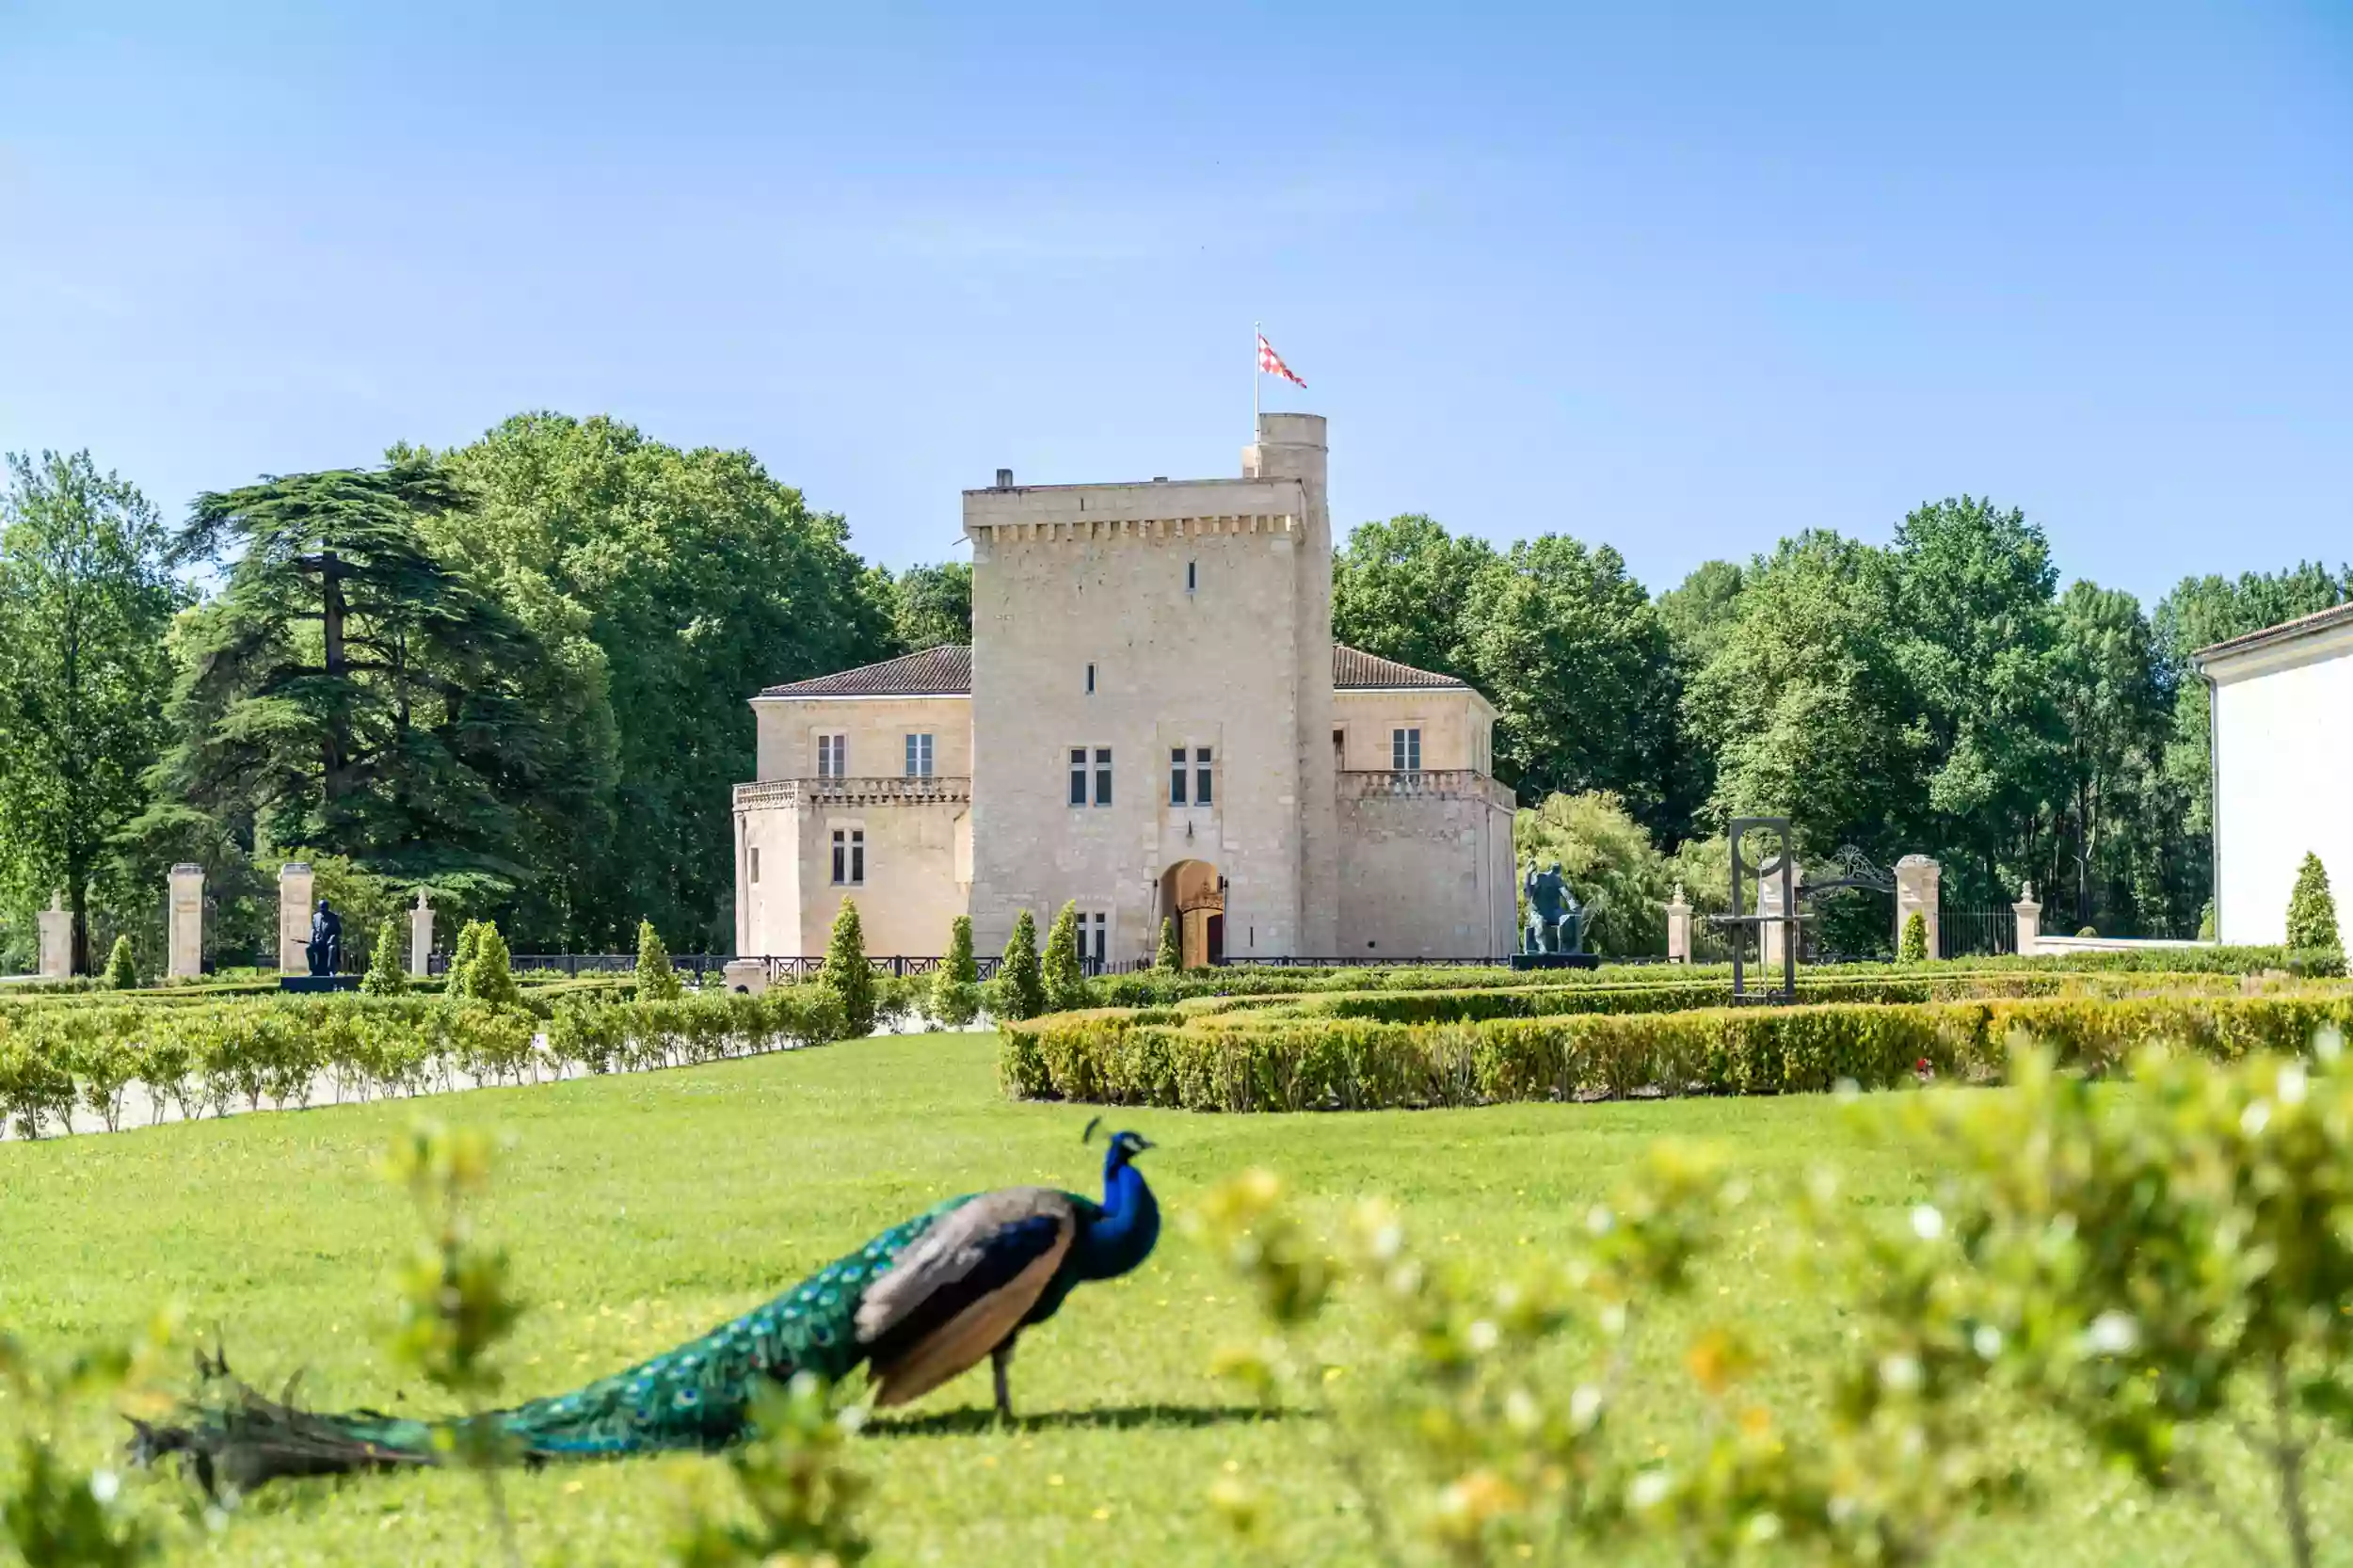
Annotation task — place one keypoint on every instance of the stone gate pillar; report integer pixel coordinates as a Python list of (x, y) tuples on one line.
[(2030, 915), (294, 882), (1771, 936), (1678, 928), (56, 940), (419, 936), (1918, 880), (184, 923)]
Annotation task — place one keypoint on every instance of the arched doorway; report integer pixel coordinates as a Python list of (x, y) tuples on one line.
[(1194, 895)]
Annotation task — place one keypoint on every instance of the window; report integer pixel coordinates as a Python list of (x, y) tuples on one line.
[(833, 757), (1103, 775), (1093, 937), (1177, 775), (1201, 776), (849, 856), (1089, 680), (1078, 775), (755, 863), (1405, 750), (919, 756), (1192, 575)]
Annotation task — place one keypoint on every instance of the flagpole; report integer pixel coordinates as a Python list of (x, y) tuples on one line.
[(1257, 331)]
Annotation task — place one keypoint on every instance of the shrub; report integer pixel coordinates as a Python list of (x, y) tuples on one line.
[(2313, 910), (386, 976), (657, 981), (1170, 958), (956, 988), (462, 961), (1020, 989), (1065, 980), (1915, 949), (490, 979), (2206, 930), (847, 974), (122, 970)]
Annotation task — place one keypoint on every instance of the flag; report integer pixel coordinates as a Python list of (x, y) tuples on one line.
[(1270, 364)]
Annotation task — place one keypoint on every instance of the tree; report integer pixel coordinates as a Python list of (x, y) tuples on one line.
[(490, 977), (956, 988), (847, 974), (2117, 835), (85, 598), (386, 975), (1408, 590), (1571, 650), (349, 691), (1805, 705), (1066, 979), (932, 605), (2312, 909), (1618, 874), (1697, 615), (1020, 990), (656, 979), (1170, 958), (459, 979), (671, 586), (1915, 946)]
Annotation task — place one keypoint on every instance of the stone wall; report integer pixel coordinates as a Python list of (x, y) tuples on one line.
[(1426, 873), (875, 728), (1456, 725), (910, 894)]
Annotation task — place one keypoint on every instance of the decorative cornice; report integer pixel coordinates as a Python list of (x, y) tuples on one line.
[(772, 793), (1429, 784)]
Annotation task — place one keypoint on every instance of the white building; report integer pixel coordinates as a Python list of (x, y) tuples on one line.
[(2283, 736), (1153, 723)]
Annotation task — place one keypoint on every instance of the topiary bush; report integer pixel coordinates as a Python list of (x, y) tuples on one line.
[(2313, 910), (490, 978), (955, 998), (459, 975), (1064, 979), (1170, 956), (847, 975), (122, 970), (1914, 948), (385, 976), (1020, 989), (657, 980)]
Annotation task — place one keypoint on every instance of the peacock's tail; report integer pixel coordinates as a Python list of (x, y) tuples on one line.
[(697, 1396)]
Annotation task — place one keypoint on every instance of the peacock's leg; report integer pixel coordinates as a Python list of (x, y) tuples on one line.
[(1000, 1362)]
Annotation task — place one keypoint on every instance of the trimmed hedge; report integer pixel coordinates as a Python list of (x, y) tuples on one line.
[(274, 1051), (1158, 1058)]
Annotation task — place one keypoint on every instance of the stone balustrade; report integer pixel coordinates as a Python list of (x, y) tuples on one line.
[(886, 791), (1435, 783)]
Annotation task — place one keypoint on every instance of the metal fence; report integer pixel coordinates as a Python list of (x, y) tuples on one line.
[(1975, 933)]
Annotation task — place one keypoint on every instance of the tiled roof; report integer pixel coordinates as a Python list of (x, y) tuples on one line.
[(2319, 620), (947, 671), (943, 671), (1354, 669)]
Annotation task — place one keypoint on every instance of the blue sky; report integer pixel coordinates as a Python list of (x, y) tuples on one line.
[(1679, 278)]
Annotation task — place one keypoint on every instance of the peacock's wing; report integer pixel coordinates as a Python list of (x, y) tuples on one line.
[(964, 1289), (699, 1394)]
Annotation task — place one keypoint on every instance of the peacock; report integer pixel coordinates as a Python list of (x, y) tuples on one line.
[(917, 1306)]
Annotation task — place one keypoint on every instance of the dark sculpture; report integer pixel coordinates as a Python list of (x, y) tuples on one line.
[(1555, 921), (326, 948)]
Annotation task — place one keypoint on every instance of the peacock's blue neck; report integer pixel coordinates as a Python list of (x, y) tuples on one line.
[(1123, 1236)]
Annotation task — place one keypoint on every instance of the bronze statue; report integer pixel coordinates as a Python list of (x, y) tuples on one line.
[(1555, 921), (325, 949)]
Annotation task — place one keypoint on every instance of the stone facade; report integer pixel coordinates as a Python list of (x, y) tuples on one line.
[(296, 881), (56, 925), (1133, 643), (184, 923)]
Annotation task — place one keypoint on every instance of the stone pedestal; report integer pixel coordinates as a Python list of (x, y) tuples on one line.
[(1678, 928), (2030, 915), (419, 936), (184, 923), (56, 940), (1774, 935), (1919, 881), (294, 882)]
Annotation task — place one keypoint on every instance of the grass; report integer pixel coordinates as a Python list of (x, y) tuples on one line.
[(642, 1210)]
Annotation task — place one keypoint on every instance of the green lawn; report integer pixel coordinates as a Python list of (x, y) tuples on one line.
[(642, 1210)]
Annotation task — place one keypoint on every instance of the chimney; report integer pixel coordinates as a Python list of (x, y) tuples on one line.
[(1004, 478)]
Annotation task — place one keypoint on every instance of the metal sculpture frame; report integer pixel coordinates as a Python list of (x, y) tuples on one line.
[(1789, 920)]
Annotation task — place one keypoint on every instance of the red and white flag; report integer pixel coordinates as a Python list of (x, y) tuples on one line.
[(1270, 364)]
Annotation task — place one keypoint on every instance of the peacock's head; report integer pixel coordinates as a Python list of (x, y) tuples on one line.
[(1123, 1148)]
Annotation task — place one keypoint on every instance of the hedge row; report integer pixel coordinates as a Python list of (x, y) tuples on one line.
[(1157, 1058), (277, 1050)]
